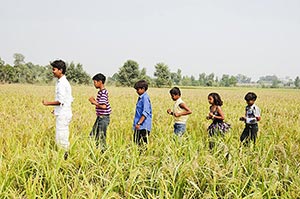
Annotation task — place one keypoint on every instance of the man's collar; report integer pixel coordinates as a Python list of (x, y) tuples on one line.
[(62, 77), (142, 95)]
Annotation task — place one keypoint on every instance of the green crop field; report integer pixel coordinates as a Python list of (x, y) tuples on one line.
[(31, 166)]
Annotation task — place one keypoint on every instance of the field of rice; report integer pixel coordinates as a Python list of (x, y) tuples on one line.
[(31, 166)]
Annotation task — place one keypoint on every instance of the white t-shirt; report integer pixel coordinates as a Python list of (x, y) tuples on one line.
[(251, 113), (63, 94), (182, 119)]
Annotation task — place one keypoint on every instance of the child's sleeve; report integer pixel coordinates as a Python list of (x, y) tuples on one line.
[(147, 107), (257, 112)]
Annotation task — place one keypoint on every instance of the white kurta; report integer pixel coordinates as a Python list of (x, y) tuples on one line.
[(63, 112)]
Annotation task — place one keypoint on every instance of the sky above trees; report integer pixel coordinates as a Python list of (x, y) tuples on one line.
[(254, 38)]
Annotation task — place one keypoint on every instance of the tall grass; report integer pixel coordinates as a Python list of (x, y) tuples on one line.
[(31, 166)]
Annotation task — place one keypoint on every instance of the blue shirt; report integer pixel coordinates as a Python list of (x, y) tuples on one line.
[(143, 107)]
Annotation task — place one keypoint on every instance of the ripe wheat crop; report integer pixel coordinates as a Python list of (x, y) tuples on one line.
[(31, 165)]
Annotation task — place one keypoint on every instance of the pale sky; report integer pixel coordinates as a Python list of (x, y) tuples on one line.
[(250, 37)]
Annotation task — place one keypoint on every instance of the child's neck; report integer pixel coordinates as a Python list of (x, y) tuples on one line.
[(101, 87)]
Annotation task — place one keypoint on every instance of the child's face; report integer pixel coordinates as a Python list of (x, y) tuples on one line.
[(56, 72), (97, 83), (210, 100), (174, 97), (140, 91), (250, 102)]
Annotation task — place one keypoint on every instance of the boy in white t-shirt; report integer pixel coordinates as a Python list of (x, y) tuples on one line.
[(62, 103), (180, 112), (252, 116)]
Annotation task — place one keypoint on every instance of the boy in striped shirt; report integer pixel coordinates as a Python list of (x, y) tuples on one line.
[(103, 111)]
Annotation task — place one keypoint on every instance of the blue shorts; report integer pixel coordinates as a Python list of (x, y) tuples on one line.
[(179, 129)]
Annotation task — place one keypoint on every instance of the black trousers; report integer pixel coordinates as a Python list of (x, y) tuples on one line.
[(99, 130), (141, 136), (249, 133)]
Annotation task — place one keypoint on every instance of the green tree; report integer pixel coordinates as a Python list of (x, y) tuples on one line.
[(227, 81), (76, 74), (232, 81), (6, 72), (186, 81), (194, 82), (82, 76), (128, 74), (163, 75), (210, 79), (2, 62), (112, 80), (242, 79), (176, 77), (275, 82), (19, 59), (297, 82), (19, 68), (202, 79), (48, 73), (144, 76), (23, 72)]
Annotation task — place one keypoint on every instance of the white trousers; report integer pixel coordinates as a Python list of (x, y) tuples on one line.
[(62, 131)]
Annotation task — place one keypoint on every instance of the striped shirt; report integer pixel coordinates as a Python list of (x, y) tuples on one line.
[(102, 98)]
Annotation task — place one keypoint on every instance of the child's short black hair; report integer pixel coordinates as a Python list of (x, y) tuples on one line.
[(250, 96), (141, 84), (60, 65), (99, 77), (217, 98), (175, 91)]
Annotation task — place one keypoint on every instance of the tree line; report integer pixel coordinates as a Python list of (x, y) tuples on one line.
[(22, 72), (130, 72)]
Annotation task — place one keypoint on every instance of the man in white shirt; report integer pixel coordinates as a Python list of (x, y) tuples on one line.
[(62, 103)]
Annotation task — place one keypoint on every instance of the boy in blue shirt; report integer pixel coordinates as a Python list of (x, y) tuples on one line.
[(142, 122)]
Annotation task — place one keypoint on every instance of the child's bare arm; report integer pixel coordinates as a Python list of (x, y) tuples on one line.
[(47, 103), (186, 112), (94, 102), (220, 112)]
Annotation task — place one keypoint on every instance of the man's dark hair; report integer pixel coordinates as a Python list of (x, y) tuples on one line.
[(141, 84), (250, 96), (99, 77), (60, 65), (175, 91)]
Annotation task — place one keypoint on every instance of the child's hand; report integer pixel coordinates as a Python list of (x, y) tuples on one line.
[(210, 116), (137, 126), (92, 99), (176, 114), (169, 111), (45, 102), (242, 118)]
